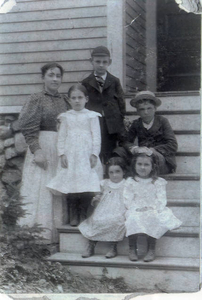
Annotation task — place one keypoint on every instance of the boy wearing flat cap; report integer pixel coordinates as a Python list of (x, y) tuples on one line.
[(106, 97), (153, 133)]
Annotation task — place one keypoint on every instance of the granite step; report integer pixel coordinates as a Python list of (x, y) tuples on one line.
[(173, 274), (182, 242)]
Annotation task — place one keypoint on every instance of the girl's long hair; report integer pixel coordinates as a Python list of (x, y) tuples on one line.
[(116, 161), (154, 162)]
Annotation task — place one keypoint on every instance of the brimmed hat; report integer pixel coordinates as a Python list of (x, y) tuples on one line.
[(100, 51), (145, 95)]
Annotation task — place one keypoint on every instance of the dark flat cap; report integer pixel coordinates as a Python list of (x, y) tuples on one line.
[(145, 95), (100, 51)]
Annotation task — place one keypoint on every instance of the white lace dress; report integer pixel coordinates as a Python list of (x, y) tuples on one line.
[(78, 138), (107, 221), (146, 210)]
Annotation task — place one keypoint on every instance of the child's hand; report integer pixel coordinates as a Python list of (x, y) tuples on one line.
[(134, 149), (64, 162), (146, 208), (93, 160), (96, 199), (145, 150)]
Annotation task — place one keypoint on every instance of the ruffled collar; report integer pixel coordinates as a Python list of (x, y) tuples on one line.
[(144, 180), (76, 112), (114, 185)]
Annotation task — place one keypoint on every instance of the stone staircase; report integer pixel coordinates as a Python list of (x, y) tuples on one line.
[(176, 268)]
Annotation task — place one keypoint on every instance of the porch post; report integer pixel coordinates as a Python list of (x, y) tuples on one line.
[(115, 37), (151, 45)]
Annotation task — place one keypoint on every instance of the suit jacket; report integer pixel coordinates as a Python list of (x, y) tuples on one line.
[(160, 137), (109, 103)]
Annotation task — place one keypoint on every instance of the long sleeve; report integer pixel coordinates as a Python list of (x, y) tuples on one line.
[(30, 120), (120, 98), (96, 135), (131, 136), (169, 145), (62, 132)]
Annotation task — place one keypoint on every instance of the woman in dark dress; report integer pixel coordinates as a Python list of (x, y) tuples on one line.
[(38, 122)]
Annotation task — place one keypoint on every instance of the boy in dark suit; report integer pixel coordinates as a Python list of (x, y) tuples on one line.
[(151, 133), (106, 97)]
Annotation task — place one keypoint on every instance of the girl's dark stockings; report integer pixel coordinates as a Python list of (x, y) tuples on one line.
[(132, 239), (151, 245)]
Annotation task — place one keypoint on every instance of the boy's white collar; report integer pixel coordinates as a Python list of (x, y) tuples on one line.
[(148, 126), (103, 76)]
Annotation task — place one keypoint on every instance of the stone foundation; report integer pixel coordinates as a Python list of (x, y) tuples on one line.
[(12, 152)]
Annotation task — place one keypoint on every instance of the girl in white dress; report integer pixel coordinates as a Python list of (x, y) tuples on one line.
[(106, 224), (78, 145), (145, 201)]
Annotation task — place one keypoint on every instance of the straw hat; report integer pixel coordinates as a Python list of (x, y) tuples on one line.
[(145, 95)]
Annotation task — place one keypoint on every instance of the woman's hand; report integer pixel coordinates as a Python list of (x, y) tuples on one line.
[(64, 162), (93, 160), (40, 159)]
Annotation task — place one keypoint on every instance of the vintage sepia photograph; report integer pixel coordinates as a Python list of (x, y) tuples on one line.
[(100, 149)]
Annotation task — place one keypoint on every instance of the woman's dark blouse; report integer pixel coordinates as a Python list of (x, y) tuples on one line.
[(40, 114)]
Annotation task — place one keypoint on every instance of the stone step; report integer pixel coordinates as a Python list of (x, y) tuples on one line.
[(172, 274), (180, 121), (186, 101), (182, 242)]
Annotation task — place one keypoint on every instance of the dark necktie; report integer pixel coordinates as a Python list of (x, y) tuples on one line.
[(100, 81)]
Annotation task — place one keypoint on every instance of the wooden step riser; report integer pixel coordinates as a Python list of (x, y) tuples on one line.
[(173, 103), (188, 164), (188, 142), (178, 121), (183, 189), (189, 216), (166, 246), (147, 277)]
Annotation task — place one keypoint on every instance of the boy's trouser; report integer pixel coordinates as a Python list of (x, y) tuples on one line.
[(162, 165), (81, 203), (108, 143)]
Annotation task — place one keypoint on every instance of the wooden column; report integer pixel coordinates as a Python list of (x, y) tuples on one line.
[(151, 45), (115, 37)]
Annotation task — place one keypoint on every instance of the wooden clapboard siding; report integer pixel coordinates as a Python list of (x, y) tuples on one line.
[(34, 57), (36, 32), (135, 50)]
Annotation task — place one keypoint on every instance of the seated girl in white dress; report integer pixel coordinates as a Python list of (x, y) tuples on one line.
[(145, 201), (79, 143), (106, 224)]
